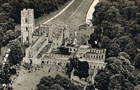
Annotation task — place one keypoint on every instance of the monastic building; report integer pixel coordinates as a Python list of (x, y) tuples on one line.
[(46, 40), (52, 35)]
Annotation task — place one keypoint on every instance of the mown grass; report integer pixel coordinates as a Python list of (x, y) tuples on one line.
[(46, 17)]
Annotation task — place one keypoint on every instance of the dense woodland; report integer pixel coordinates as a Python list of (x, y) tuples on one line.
[(117, 28), (57, 83)]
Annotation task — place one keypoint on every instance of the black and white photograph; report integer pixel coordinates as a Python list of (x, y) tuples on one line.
[(69, 44)]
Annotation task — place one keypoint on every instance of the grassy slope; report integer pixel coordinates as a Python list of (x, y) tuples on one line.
[(74, 17), (48, 16)]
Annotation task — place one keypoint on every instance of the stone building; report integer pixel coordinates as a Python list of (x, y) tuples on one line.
[(94, 57), (47, 38), (53, 34), (27, 26)]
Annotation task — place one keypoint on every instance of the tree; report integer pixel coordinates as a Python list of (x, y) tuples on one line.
[(137, 61), (113, 50), (125, 55), (1, 38), (117, 21), (135, 29), (101, 80), (130, 10), (131, 49), (100, 9), (105, 42), (73, 63), (57, 83), (57, 87), (119, 29), (138, 18), (117, 75), (112, 14), (137, 81), (16, 53), (81, 68), (123, 41), (9, 35), (137, 87), (137, 40), (90, 87)]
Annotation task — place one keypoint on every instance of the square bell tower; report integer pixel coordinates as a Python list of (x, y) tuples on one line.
[(27, 26)]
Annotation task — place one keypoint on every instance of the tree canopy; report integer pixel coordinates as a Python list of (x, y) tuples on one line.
[(117, 27), (117, 75), (16, 53), (80, 68), (57, 83)]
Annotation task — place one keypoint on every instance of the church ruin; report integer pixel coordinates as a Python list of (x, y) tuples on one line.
[(44, 44)]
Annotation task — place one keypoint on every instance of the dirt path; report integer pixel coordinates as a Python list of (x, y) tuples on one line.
[(90, 11)]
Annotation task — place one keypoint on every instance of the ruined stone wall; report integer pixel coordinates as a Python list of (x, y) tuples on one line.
[(55, 61)]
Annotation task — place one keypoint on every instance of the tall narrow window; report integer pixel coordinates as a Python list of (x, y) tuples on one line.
[(27, 38), (26, 20), (26, 28), (46, 34)]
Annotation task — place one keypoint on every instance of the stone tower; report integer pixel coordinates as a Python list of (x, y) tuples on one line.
[(27, 26)]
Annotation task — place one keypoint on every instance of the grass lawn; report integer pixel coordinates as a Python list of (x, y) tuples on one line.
[(75, 15), (46, 17), (3, 52), (28, 81)]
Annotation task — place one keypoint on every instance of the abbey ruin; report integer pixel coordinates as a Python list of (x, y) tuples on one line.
[(46, 41)]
